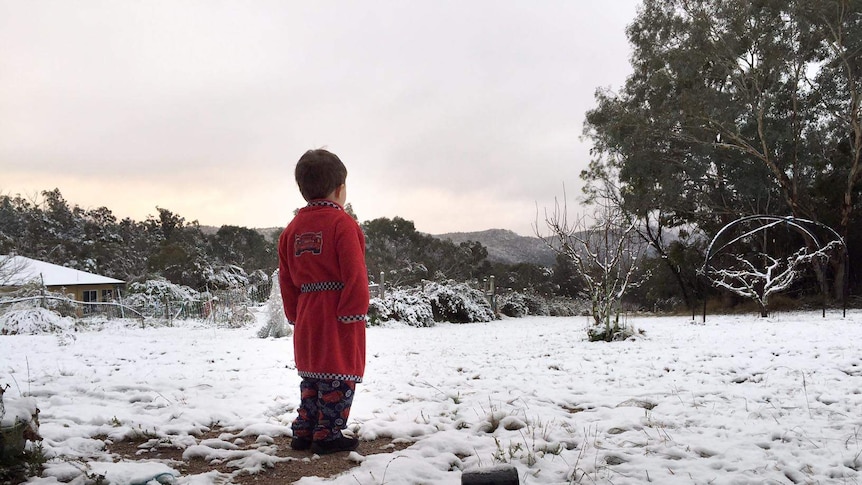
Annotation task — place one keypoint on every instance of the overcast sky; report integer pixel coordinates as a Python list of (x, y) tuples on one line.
[(457, 115)]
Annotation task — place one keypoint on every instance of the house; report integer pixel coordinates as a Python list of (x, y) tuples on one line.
[(78, 285)]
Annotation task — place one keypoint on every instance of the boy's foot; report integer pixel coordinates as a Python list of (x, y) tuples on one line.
[(334, 446), (300, 444)]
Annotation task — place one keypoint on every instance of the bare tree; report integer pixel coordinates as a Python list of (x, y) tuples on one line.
[(760, 276), (10, 267), (605, 250)]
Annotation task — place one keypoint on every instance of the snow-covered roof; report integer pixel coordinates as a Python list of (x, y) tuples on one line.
[(22, 270)]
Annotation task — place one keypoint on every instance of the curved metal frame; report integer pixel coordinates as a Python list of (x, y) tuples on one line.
[(792, 222)]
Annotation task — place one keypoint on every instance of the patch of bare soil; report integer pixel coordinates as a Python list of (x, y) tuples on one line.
[(303, 464)]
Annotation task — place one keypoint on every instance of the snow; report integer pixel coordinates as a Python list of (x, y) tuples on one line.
[(736, 400)]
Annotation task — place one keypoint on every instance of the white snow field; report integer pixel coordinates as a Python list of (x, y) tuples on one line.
[(735, 400)]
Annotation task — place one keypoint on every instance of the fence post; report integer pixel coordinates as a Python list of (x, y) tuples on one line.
[(120, 300), (380, 289), (42, 291), (168, 315), (492, 289)]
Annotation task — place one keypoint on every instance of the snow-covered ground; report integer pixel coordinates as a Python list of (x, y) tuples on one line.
[(737, 400)]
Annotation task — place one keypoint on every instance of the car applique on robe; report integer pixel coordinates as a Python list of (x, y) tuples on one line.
[(309, 242)]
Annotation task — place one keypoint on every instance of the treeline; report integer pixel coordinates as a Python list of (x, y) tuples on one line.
[(49, 228)]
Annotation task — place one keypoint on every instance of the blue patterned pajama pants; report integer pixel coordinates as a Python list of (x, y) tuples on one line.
[(323, 408)]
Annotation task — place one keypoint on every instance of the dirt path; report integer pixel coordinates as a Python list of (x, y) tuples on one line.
[(303, 464)]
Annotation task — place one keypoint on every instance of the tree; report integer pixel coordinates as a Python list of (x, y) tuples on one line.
[(747, 258), (605, 253), (737, 108), (243, 247), (762, 275), (406, 256), (565, 277), (10, 267), (181, 252)]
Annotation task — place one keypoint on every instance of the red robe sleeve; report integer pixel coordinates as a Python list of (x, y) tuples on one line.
[(289, 291), (353, 305)]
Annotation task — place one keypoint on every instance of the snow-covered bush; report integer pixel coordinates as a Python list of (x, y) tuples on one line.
[(19, 424), (512, 305), (226, 276), (33, 321), (458, 303), (516, 304), (260, 285), (408, 306), (566, 307), (536, 304), (276, 323), (151, 297)]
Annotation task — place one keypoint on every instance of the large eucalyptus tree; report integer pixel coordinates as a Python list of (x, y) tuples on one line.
[(733, 108)]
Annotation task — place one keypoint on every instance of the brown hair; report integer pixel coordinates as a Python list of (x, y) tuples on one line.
[(319, 172)]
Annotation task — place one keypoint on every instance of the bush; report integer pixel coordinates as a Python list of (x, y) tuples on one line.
[(33, 321), (516, 304), (19, 426), (536, 304), (226, 276), (512, 305), (409, 306), (458, 303), (565, 307), (149, 297)]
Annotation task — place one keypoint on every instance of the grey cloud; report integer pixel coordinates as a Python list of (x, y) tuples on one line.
[(444, 95)]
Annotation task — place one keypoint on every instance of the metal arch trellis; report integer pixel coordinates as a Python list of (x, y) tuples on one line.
[(770, 221)]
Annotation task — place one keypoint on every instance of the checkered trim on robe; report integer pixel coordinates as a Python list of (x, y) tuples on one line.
[(323, 375), (322, 286), (324, 203)]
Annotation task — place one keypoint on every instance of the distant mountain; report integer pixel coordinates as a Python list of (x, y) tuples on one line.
[(505, 246)]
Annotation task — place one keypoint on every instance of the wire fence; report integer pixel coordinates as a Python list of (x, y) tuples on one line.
[(228, 307)]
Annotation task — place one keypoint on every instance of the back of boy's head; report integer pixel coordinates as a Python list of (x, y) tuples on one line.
[(319, 172)]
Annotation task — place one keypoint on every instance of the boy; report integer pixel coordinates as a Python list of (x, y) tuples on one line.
[(324, 286)]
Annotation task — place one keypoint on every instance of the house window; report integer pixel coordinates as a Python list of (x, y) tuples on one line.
[(107, 295), (89, 296)]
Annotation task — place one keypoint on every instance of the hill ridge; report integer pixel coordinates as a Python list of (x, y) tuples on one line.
[(506, 246)]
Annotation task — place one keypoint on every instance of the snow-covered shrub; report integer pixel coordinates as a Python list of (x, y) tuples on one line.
[(458, 303), (159, 289), (260, 285), (613, 333), (19, 424), (516, 304), (566, 307), (151, 297), (33, 321), (378, 311), (226, 276), (276, 323), (512, 305), (404, 305), (536, 304)]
